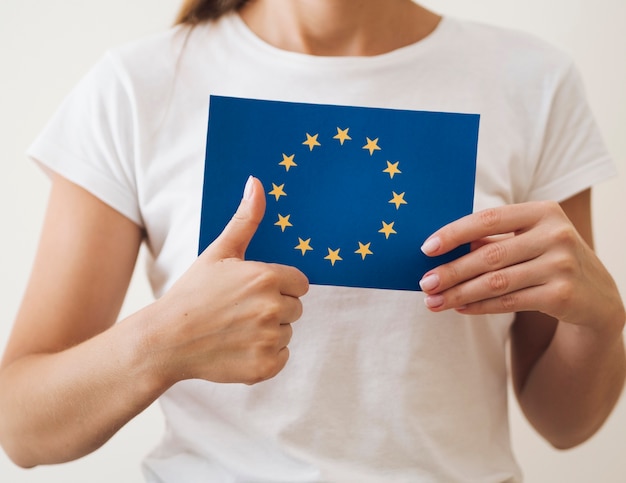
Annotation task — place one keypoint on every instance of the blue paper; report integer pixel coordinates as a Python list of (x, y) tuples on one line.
[(352, 192)]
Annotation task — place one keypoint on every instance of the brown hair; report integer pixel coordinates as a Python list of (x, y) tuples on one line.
[(195, 11)]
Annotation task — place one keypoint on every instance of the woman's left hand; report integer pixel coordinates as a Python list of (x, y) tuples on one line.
[(524, 257)]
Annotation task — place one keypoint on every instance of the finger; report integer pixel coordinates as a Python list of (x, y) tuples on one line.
[(236, 236), (498, 283), (487, 258), (291, 281), (476, 244), (291, 309), (494, 221), (286, 332), (277, 364), (282, 358), (528, 299)]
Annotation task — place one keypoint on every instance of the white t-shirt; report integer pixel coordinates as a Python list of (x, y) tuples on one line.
[(377, 388)]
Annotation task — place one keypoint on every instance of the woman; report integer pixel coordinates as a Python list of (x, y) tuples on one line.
[(380, 387)]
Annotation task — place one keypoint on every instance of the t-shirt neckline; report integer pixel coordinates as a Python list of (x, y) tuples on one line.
[(250, 40)]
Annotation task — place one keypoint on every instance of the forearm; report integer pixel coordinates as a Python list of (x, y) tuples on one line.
[(574, 385), (224, 320), (61, 406)]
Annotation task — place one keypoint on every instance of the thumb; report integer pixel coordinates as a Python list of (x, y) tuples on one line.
[(236, 236)]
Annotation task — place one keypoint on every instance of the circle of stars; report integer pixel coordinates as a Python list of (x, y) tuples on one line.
[(284, 221)]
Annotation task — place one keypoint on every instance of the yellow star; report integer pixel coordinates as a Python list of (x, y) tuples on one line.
[(387, 229), (342, 135), (283, 222), (392, 169), (311, 141), (364, 250), (372, 145), (288, 162), (333, 256), (398, 199), (304, 245), (278, 191)]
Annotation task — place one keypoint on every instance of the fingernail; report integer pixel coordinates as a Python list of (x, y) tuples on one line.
[(247, 191), (429, 282), (434, 301), (431, 245)]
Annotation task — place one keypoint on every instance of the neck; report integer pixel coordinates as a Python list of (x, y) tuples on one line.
[(339, 27)]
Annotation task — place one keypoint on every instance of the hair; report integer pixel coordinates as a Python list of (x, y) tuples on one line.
[(193, 12)]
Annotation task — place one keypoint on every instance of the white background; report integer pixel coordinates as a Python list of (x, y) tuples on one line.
[(46, 46)]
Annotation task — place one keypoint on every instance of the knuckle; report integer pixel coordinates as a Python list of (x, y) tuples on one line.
[(266, 279), (560, 299), (565, 235), (494, 253), (564, 264), (489, 217), (509, 302), (269, 341), (563, 293), (270, 312), (497, 281)]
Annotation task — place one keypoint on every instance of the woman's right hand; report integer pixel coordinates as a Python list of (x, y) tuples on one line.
[(227, 319), (224, 320)]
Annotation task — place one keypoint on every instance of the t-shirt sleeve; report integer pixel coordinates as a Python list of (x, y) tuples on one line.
[(573, 156), (90, 140)]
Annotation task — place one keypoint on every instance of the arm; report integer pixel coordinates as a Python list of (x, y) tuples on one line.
[(52, 388), (70, 377), (554, 364), (536, 259)]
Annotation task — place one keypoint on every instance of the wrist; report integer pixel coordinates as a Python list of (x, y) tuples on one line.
[(593, 342), (147, 359), (609, 325)]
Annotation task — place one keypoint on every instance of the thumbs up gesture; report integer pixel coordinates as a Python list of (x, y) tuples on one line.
[(227, 319)]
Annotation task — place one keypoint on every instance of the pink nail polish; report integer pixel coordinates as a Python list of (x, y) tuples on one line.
[(429, 282), (431, 245), (434, 301), (247, 191)]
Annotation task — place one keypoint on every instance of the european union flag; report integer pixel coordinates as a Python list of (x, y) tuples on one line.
[(352, 192)]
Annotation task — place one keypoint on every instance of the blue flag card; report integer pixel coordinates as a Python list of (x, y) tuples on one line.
[(352, 192)]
